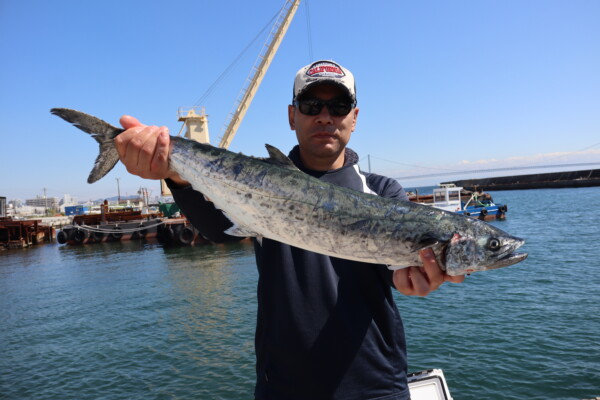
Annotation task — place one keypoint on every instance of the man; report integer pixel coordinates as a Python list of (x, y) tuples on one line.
[(327, 328)]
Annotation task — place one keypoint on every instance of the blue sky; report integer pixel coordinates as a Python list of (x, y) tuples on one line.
[(442, 86)]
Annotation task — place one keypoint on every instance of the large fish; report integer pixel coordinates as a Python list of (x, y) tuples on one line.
[(272, 198)]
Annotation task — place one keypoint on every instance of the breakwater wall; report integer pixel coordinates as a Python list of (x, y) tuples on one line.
[(551, 180)]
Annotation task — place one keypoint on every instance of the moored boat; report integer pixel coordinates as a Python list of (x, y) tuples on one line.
[(110, 225), (108, 232), (129, 225), (455, 199)]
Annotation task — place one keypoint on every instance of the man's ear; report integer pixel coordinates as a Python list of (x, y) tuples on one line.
[(355, 111), (291, 119)]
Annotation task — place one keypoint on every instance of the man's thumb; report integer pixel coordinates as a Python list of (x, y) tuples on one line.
[(127, 121)]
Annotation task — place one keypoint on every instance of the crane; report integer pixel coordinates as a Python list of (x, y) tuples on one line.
[(195, 119), (259, 70)]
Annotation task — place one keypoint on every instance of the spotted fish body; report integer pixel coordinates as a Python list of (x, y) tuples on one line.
[(273, 199)]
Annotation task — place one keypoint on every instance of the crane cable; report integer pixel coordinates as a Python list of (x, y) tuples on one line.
[(309, 33), (227, 70)]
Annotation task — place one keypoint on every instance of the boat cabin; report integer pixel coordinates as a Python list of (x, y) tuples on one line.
[(447, 197)]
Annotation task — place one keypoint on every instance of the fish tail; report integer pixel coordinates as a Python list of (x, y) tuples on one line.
[(102, 132)]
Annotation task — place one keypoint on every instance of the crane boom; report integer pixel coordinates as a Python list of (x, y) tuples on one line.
[(195, 118), (259, 70)]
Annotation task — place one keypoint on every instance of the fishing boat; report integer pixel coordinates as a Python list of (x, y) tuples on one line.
[(455, 199)]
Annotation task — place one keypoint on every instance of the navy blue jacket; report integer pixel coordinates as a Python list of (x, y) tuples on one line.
[(327, 328)]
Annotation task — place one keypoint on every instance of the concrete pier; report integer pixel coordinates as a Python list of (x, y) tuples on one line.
[(552, 180)]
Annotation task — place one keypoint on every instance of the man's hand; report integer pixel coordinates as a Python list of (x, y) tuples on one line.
[(144, 150), (420, 281)]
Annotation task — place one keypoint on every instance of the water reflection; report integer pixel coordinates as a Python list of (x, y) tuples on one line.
[(216, 289)]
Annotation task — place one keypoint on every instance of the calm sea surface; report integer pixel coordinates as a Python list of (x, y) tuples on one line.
[(134, 320)]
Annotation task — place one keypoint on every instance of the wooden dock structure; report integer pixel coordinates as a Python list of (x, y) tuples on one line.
[(17, 234)]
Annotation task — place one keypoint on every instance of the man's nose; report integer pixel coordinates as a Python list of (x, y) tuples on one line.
[(324, 117)]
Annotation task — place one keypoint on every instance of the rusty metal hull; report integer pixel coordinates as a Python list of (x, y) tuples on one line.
[(15, 234)]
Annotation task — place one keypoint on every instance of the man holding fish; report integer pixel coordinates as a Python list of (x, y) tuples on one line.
[(327, 328)]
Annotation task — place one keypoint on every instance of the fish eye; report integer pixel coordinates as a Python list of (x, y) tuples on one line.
[(493, 244)]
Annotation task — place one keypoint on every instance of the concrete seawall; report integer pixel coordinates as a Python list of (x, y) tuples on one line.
[(567, 179)]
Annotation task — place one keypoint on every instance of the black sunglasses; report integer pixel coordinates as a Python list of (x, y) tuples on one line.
[(337, 107)]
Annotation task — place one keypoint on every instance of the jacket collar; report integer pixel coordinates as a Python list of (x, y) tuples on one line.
[(350, 157)]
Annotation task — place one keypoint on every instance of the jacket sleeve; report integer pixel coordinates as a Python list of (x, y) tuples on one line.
[(210, 222)]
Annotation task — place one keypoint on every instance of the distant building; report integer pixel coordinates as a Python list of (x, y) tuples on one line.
[(68, 200), (50, 203), (15, 203), (2, 207)]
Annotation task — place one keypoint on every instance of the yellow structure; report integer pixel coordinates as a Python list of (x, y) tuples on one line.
[(196, 123)]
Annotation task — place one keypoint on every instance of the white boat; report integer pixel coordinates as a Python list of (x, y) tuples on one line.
[(428, 385), (450, 198)]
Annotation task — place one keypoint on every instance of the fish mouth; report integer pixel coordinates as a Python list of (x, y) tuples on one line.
[(507, 260), (509, 257)]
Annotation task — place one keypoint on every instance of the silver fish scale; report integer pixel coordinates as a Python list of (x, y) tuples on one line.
[(290, 206)]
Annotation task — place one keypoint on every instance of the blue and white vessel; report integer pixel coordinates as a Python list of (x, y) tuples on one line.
[(477, 205)]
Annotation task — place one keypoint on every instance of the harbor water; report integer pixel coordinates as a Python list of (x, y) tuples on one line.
[(135, 320)]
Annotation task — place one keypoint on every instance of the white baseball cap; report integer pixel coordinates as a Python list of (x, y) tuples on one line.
[(322, 72)]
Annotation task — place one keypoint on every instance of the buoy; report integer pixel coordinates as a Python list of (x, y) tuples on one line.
[(186, 235), (115, 235), (78, 235), (62, 237), (483, 213), (98, 236)]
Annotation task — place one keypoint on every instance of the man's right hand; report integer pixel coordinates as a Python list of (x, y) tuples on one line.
[(144, 150)]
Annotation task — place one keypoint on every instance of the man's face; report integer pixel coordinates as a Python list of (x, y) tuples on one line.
[(322, 136)]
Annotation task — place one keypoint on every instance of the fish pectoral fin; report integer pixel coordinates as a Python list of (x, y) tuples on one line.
[(242, 231), (425, 242), (276, 157)]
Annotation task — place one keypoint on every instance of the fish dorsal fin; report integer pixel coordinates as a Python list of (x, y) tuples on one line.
[(276, 157)]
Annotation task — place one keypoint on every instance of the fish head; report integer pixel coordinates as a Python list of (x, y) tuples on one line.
[(489, 248)]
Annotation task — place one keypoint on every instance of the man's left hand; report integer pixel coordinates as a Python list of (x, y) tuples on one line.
[(420, 281)]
